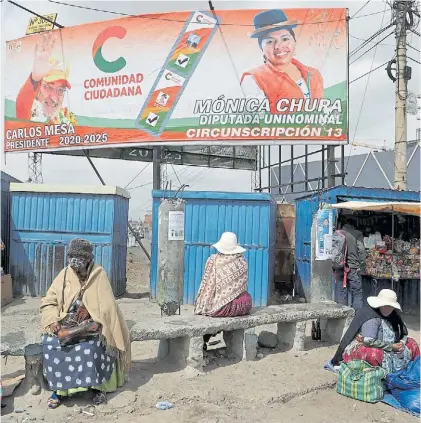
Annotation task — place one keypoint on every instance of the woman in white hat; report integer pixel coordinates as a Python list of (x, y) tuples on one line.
[(223, 290), (378, 335)]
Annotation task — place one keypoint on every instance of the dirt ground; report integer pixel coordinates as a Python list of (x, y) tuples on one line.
[(278, 387)]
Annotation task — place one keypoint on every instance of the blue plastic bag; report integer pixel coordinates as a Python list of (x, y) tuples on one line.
[(405, 379), (404, 385), (410, 400)]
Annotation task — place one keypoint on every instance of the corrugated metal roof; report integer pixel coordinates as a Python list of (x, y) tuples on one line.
[(43, 224), (70, 189)]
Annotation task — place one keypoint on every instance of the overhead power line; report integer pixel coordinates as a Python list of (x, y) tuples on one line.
[(367, 73), (147, 164), (370, 39), (359, 10), (416, 61), (409, 45), (365, 91), (371, 48), (415, 32), (152, 17), (36, 14), (362, 39)]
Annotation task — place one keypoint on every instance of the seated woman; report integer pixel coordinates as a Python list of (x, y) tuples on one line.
[(98, 359), (378, 336), (223, 290)]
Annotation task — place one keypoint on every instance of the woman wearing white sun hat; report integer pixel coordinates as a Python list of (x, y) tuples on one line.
[(378, 335), (223, 290)]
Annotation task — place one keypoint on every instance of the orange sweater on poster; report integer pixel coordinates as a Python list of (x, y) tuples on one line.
[(278, 85), (25, 99)]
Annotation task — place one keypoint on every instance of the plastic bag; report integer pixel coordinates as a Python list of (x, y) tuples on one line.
[(404, 385), (410, 400), (405, 379)]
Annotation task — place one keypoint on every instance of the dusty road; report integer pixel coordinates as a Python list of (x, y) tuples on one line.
[(280, 387)]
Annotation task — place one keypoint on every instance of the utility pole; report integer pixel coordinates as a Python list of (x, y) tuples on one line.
[(156, 173), (402, 76)]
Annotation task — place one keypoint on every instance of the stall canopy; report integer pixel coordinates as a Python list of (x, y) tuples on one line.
[(394, 206)]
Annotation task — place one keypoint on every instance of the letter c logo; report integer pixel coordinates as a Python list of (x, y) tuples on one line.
[(100, 62)]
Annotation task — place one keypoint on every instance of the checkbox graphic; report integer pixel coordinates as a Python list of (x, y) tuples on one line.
[(152, 119), (182, 60)]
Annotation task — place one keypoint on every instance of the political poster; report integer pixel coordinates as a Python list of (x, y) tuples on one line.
[(231, 77), (324, 234)]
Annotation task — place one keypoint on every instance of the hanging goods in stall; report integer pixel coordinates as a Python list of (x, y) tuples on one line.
[(389, 257)]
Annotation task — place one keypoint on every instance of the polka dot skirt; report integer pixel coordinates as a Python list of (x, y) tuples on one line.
[(73, 366)]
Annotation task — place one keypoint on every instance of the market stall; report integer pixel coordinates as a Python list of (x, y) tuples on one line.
[(391, 237)]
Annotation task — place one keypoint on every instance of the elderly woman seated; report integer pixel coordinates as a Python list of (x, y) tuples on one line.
[(86, 343), (378, 335)]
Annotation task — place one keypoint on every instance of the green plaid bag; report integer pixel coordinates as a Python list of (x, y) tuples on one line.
[(361, 381)]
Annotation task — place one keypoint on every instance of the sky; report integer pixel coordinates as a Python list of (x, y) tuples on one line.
[(371, 98)]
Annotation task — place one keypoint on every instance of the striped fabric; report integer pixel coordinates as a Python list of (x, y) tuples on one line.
[(360, 381)]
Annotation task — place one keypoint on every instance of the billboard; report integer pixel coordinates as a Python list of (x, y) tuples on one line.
[(185, 78)]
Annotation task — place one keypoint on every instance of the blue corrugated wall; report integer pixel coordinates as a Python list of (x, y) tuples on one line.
[(42, 226), (307, 206), (207, 215), (5, 218)]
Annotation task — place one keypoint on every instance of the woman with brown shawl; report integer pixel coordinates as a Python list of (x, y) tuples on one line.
[(223, 290), (98, 359)]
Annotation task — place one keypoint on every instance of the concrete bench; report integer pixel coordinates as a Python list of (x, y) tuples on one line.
[(181, 337)]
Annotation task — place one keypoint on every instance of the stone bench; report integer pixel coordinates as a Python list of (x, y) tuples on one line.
[(181, 337)]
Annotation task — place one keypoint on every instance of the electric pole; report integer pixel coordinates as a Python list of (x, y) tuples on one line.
[(402, 76), (156, 173)]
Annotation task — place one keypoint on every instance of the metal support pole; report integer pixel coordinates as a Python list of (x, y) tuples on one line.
[(259, 161), (137, 238), (331, 182), (306, 167), (269, 172), (279, 169), (156, 161), (401, 95), (323, 167), (343, 164), (292, 168)]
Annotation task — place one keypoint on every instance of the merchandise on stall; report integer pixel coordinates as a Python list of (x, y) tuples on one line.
[(395, 258), (390, 239)]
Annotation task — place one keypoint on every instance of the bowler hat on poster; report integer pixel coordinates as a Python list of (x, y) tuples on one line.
[(269, 21)]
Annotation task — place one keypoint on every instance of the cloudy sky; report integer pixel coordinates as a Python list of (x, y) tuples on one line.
[(371, 100)]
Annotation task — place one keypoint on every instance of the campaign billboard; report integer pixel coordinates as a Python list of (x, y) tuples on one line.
[(232, 77)]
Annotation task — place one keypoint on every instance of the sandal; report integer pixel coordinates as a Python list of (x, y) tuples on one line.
[(54, 401), (99, 398)]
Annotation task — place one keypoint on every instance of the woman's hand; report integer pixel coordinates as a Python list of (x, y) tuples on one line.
[(398, 347), (359, 339), (55, 328)]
